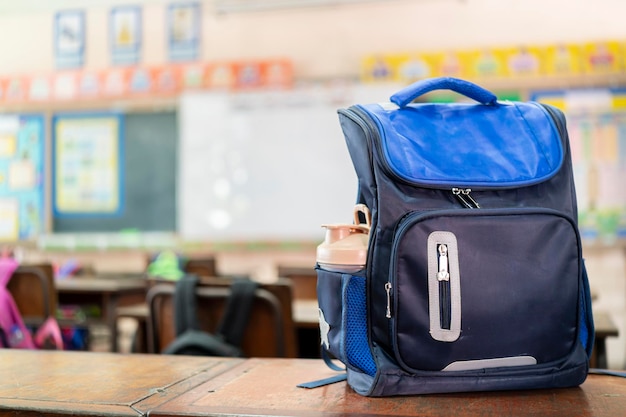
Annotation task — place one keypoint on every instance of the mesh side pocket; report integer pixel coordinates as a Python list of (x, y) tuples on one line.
[(357, 347)]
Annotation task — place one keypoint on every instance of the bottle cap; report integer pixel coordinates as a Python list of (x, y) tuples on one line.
[(345, 245)]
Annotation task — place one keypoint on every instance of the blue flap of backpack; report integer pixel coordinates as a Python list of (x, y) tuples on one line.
[(469, 145)]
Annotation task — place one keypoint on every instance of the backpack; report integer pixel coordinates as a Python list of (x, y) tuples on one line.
[(191, 340), (475, 278), (13, 332)]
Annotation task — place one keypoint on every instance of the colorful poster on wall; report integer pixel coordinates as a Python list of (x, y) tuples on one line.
[(125, 35), (514, 61), (603, 58), (69, 38), (563, 59), (144, 81), (596, 120), (21, 177), (183, 31), (525, 61), (87, 164)]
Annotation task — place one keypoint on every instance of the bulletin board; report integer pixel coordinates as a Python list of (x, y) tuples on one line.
[(148, 165), (88, 173), (596, 122), (22, 144), (267, 166)]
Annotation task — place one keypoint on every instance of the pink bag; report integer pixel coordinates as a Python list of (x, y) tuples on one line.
[(13, 331)]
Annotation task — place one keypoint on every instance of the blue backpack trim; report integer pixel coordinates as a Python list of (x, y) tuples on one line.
[(358, 351), (494, 145)]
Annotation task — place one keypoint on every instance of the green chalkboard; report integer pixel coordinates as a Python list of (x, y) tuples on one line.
[(150, 143)]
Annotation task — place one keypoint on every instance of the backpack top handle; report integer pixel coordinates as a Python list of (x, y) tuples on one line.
[(466, 88)]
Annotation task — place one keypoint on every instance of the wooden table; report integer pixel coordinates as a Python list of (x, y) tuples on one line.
[(224, 396), (107, 293), (56, 384), (46, 383)]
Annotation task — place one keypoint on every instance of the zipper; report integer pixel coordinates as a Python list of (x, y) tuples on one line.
[(465, 198), (388, 291), (443, 276)]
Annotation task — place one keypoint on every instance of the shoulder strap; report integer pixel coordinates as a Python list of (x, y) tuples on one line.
[(185, 304), (237, 311)]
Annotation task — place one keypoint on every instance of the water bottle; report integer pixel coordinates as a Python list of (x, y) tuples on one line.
[(345, 245)]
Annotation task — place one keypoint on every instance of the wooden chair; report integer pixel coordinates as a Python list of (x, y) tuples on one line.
[(34, 292), (204, 267), (269, 333), (201, 266)]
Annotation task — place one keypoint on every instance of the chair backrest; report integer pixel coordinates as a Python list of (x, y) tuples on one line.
[(304, 281), (270, 331), (34, 291), (203, 267)]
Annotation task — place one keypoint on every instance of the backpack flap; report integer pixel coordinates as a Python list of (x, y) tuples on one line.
[(489, 144)]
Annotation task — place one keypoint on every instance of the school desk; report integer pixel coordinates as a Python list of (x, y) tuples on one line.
[(106, 293), (57, 384)]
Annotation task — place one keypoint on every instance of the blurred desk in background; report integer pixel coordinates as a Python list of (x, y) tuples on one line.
[(106, 293), (605, 327)]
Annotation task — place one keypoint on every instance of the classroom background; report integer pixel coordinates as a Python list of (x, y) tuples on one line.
[(210, 127)]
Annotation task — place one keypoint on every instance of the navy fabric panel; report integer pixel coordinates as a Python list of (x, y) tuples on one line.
[(569, 372), (358, 148), (329, 295), (514, 270)]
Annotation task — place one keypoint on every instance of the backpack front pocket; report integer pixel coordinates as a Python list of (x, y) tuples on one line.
[(475, 289)]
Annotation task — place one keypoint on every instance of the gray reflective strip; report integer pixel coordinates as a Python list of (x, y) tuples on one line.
[(491, 363), (436, 331)]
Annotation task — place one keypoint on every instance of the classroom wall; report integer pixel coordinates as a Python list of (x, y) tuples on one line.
[(329, 41), (324, 41)]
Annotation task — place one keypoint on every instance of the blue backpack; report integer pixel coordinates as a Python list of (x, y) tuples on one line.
[(475, 278)]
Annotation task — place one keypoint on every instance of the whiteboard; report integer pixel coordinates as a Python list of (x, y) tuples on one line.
[(266, 166)]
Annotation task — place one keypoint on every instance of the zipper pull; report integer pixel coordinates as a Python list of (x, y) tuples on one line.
[(466, 193), (388, 291), (463, 195), (443, 274)]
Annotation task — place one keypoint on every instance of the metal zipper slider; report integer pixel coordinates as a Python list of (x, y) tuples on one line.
[(388, 291), (443, 274), (463, 195), (466, 192)]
